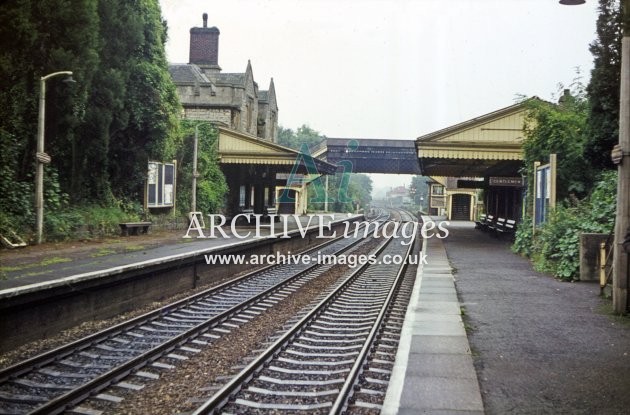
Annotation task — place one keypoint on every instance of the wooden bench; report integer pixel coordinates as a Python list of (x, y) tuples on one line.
[(134, 228), (270, 211), (486, 222), (508, 227), (496, 225), (481, 223)]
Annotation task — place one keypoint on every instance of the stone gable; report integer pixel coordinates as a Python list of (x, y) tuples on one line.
[(228, 99)]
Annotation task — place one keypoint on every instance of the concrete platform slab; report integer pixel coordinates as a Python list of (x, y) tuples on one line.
[(437, 270), (441, 365), (429, 288), (433, 274), (442, 297), (454, 318), (437, 412), (440, 393), (436, 282), (433, 372), (440, 345), (440, 307), (438, 328)]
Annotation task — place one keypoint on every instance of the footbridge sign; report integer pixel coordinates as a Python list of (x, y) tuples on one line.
[(370, 155)]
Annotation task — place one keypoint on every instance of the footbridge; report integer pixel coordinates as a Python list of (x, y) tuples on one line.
[(370, 155)]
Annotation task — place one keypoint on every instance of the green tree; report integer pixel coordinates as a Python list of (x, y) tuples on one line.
[(558, 129), (303, 135), (100, 132), (151, 107), (603, 88), (346, 193), (582, 206), (555, 247), (211, 185), (420, 190), (38, 38)]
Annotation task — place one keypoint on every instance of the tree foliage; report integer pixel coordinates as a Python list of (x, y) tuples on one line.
[(347, 192), (603, 88), (101, 131), (555, 247), (558, 129), (211, 185), (38, 38), (419, 190), (582, 131), (303, 135)]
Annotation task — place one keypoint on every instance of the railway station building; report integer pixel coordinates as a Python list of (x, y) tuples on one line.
[(476, 166), (254, 165)]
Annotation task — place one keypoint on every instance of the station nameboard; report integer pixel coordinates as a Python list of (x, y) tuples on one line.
[(506, 181), (438, 201)]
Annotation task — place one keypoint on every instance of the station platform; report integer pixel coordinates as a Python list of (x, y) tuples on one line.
[(39, 264), (484, 332), (434, 372)]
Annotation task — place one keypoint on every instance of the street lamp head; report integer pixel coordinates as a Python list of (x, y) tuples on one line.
[(572, 2), (69, 80)]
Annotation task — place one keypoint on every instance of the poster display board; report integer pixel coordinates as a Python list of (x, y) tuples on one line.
[(160, 184), (544, 190)]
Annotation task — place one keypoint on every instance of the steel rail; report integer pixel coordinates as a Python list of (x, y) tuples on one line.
[(341, 403), (222, 396), (62, 402), (55, 354), (73, 397)]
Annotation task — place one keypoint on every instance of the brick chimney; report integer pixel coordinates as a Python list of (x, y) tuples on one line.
[(204, 45)]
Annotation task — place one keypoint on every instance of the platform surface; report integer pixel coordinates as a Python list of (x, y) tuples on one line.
[(55, 261)]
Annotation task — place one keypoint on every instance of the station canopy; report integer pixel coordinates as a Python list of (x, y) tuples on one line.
[(238, 148), (489, 145)]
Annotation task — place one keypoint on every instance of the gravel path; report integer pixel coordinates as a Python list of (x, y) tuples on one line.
[(539, 345)]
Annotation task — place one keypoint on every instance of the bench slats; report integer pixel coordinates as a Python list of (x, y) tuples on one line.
[(133, 228), (500, 225)]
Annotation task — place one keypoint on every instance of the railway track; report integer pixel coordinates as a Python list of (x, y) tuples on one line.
[(336, 357), (58, 380)]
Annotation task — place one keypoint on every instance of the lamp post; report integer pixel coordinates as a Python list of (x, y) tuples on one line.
[(621, 157), (195, 174), (622, 220), (40, 156)]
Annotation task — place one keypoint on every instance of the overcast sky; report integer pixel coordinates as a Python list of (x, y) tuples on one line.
[(393, 69)]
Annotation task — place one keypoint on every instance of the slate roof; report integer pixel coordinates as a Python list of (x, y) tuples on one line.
[(187, 73), (231, 78)]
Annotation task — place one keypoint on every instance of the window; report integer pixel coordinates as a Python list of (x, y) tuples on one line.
[(437, 189), (241, 196)]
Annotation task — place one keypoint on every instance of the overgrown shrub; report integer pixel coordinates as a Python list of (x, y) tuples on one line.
[(556, 244), (554, 248), (211, 185), (524, 237), (85, 222), (104, 220), (61, 225)]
